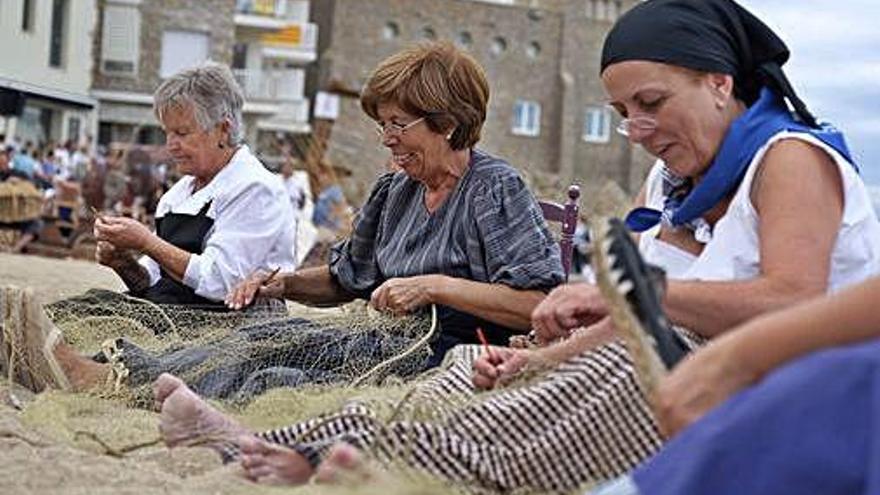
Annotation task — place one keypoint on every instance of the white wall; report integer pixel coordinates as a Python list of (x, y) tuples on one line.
[(25, 55)]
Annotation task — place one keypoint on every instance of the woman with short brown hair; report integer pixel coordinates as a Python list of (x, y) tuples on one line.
[(452, 226), (438, 83)]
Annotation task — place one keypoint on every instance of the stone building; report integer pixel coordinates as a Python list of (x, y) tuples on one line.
[(547, 110), (140, 42), (45, 71)]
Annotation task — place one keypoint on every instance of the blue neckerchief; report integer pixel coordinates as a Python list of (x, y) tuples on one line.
[(747, 134)]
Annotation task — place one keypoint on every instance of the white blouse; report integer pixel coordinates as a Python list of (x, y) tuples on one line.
[(734, 251), (254, 226)]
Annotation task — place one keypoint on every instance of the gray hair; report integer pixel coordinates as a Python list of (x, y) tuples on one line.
[(213, 93)]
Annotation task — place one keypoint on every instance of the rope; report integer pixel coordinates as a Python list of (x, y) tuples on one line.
[(415, 347)]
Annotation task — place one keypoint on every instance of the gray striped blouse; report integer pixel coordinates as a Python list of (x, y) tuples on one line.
[(490, 229)]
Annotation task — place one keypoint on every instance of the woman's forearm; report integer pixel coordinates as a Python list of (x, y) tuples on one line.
[(844, 318), (171, 258), (314, 286), (497, 303), (711, 308)]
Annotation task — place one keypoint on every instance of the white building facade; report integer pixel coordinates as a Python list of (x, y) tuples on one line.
[(45, 70)]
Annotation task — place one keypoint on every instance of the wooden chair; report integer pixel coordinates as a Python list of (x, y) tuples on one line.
[(567, 215)]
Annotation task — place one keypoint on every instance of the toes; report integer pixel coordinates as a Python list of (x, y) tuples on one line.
[(251, 461), (342, 459), (251, 445), (259, 474), (164, 386)]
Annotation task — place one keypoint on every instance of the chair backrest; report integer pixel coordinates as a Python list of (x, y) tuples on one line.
[(567, 215)]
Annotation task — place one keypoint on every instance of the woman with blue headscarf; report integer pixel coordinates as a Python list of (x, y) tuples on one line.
[(753, 204)]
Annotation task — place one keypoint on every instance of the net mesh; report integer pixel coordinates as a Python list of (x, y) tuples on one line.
[(229, 356)]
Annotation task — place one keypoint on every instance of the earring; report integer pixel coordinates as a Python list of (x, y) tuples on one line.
[(220, 145), (449, 136)]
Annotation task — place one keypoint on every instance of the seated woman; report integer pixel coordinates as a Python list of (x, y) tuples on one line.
[(701, 87), (225, 218), (456, 227)]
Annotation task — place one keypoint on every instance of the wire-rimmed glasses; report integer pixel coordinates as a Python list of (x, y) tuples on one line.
[(642, 125), (395, 129)]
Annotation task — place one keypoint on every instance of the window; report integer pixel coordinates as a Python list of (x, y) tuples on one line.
[(465, 40), (73, 125), (597, 124), (390, 31), (181, 50), (120, 39), (533, 49), (603, 10), (526, 118), (617, 9), (27, 15), (428, 34), (239, 56), (58, 33), (499, 45)]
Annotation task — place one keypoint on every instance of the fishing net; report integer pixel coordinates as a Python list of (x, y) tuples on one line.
[(229, 356)]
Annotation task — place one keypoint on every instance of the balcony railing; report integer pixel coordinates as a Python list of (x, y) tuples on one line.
[(293, 10), (276, 85)]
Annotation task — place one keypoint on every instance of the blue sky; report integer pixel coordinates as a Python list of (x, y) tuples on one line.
[(835, 66)]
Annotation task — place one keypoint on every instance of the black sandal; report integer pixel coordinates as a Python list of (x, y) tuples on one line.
[(634, 289)]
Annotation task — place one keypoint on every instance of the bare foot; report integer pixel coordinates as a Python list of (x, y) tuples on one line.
[(187, 420), (343, 463), (271, 464), (83, 373)]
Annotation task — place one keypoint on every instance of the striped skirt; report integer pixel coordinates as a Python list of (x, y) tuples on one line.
[(584, 421)]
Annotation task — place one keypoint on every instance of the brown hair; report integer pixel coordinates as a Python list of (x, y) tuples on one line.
[(436, 81)]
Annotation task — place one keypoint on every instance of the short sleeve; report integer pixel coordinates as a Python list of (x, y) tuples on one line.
[(353, 260), (518, 249)]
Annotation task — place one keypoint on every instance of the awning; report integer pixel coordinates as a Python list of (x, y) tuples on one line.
[(33, 91)]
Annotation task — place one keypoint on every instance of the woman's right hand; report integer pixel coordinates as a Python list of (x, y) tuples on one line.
[(259, 284), (499, 366), (565, 309)]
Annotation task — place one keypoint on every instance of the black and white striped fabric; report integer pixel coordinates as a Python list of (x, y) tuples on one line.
[(585, 421)]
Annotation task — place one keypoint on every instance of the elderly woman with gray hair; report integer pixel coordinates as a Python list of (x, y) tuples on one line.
[(224, 219)]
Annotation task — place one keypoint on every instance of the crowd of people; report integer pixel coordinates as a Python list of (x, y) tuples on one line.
[(754, 210)]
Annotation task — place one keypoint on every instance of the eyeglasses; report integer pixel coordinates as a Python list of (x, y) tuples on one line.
[(643, 125), (395, 129)]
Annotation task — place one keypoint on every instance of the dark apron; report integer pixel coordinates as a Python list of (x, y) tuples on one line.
[(186, 232)]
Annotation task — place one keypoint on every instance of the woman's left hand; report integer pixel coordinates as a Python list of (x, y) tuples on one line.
[(405, 295), (701, 382), (123, 233)]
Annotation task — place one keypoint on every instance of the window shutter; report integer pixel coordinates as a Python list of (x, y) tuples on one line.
[(120, 39)]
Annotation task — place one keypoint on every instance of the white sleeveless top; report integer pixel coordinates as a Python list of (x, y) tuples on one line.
[(734, 251)]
